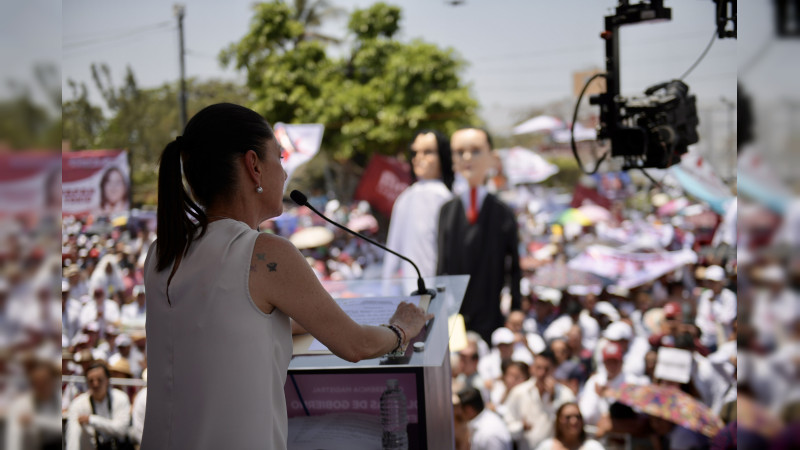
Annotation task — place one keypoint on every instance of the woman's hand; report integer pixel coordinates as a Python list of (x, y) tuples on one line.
[(410, 318)]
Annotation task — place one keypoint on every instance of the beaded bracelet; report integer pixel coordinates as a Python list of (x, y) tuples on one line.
[(396, 331)]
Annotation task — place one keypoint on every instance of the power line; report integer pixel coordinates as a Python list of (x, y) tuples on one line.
[(111, 33), (89, 42)]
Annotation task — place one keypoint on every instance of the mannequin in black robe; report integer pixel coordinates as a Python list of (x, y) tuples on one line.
[(486, 250)]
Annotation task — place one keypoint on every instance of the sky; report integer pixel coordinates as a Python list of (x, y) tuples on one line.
[(520, 53)]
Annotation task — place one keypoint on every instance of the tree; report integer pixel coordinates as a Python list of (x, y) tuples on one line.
[(371, 100)]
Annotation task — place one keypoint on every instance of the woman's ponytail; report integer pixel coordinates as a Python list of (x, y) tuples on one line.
[(176, 210)]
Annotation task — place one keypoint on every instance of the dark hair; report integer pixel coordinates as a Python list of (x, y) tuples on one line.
[(445, 156), (549, 355), (488, 136), (104, 179), (99, 365), (211, 142), (506, 364), (471, 397), (558, 434)]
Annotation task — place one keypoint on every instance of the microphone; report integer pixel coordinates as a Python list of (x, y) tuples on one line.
[(302, 200)]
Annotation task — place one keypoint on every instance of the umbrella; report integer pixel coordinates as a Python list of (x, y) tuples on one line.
[(539, 124), (526, 166), (672, 404), (582, 133), (363, 222), (595, 213), (560, 276), (672, 207), (573, 215), (312, 237)]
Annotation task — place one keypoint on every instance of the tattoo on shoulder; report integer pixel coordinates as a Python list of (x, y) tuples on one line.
[(261, 256), (273, 266)]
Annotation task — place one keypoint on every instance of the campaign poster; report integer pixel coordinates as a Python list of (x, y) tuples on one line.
[(30, 182), (95, 182), (299, 143)]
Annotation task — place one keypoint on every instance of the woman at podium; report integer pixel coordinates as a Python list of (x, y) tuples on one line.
[(221, 294)]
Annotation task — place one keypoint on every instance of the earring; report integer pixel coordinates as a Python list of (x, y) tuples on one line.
[(259, 189)]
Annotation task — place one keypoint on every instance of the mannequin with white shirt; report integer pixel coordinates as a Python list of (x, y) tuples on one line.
[(415, 214), (478, 236)]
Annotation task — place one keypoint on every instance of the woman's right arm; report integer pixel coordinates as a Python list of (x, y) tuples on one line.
[(281, 278)]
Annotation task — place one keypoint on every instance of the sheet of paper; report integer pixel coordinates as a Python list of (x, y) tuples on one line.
[(368, 311)]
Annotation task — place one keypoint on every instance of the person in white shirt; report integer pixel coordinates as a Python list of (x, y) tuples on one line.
[(137, 412), (716, 309), (99, 309), (415, 214), (531, 406), (594, 402), (70, 313), (133, 314), (99, 416), (487, 429), (33, 420), (634, 348), (504, 348), (590, 329)]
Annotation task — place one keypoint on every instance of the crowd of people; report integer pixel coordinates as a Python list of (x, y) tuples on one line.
[(543, 366)]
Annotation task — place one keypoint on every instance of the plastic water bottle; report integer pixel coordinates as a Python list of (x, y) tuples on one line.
[(394, 417)]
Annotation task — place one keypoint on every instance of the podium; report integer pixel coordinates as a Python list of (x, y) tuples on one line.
[(319, 385)]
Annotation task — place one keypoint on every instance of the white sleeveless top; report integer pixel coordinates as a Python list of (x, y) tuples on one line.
[(216, 363)]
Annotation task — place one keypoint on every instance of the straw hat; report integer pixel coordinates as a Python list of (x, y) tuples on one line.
[(122, 366), (312, 237)]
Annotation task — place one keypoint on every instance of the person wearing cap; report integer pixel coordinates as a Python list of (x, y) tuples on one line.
[(487, 429), (503, 349), (594, 402), (634, 348), (134, 314), (70, 313), (716, 309), (531, 406), (99, 416), (78, 287)]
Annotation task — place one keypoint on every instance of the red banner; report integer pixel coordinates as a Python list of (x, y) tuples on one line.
[(30, 182), (383, 181)]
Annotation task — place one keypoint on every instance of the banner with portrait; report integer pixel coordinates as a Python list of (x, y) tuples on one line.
[(630, 269), (30, 182), (96, 182), (299, 143)]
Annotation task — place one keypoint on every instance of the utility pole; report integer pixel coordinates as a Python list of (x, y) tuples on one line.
[(179, 10)]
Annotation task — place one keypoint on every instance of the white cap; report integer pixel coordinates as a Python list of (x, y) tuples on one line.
[(715, 273), (502, 335), (607, 309), (123, 340), (64, 286), (550, 295), (618, 331), (772, 273), (138, 289), (525, 287)]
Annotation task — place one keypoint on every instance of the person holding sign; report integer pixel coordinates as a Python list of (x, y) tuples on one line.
[(220, 294)]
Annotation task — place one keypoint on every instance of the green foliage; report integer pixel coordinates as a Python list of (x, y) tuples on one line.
[(379, 20), (371, 100)]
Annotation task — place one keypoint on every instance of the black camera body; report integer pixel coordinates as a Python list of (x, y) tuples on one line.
[(655, 130)]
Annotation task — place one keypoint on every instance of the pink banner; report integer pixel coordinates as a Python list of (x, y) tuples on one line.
[(630, 269), (96, 182), (336, 393), (30, 182)]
